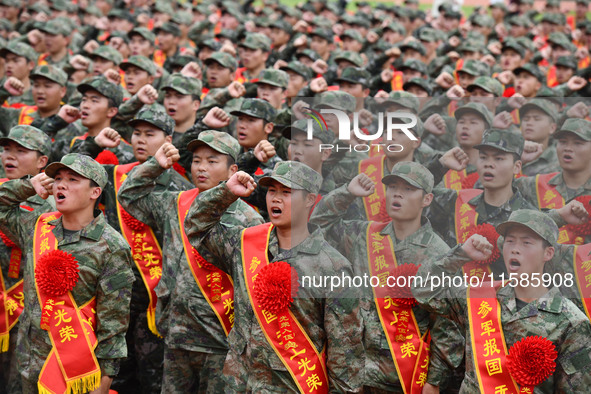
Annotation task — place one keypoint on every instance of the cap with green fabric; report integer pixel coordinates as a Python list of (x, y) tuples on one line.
[(413, 173), (477, 108), (140, 62), (282, 25), (163, 7), (413, 64), (450, 10), (295, 175), (50, 72), (428, 34), (350, 56), (537, 221), (483, 20), (118, 34), (336, 99), (505, 140), (554, 18), (520, 20), (353, 34), (82, 165), (273, 77), (299, 68), (143, 32), (301, 126), (579, 127), (396, 28), (359, 20), (155, 115), (513, 44), (256, 108), (475, 68), (183, 84), (42, 8), (567, 61), (233, 9), (307, 53), (20, 49), (120, 14), (11, 3), (104, 87), (55, 27), (531, 69), (58, 5), (487, 84), (109, 53), (180, 61), (169, 27), (499, 4), (471, 46), (401, 98), (256, 41), (224, 59), (416, 45), (217, 140), (182, 18), (541, 104), (354, 75), (420, 82), (322, 32), (29, 137), (209, 43)]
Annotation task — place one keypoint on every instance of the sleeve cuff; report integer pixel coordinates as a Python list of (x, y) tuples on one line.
[(109, 367)]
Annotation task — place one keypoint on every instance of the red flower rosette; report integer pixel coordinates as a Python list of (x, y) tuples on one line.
[(107, 157), (585, 228), (56, 273), (403, 295), (9, 244), (275, 285), (531, 361), (179, 168), (470, 180), (489, 232), (132, 222), (202, 262)]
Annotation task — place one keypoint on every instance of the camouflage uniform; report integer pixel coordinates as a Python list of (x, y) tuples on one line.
[(23, 50), (196, 344), (331, 323), (350, 236), (55, 27), (104, 261), (33, 139), (551, 316), (254, 41)]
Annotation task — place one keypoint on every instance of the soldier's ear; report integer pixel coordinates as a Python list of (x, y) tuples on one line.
[(548, 253), (517, 167), (269, 128), (427, 199)]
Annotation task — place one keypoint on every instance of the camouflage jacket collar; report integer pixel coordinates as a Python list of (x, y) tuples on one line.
[(93, 231), (550, 302), (312, 245), (515, 202), (421, 237), (558, 179)]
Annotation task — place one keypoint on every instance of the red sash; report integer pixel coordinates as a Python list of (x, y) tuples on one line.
[(551, 79), (43, 59), (582, 266), (25, 118), (215, 285), (159, 57), (145, 249), (488, 342), (549, 198), (409, 350), (396, 83), (240, 75), (318, 198), (82, 137), (453, 179), (451, 108), (71, 365), (375, 204), (283, 332)]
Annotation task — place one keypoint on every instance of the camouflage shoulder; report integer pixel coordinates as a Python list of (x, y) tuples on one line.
[(241, 214)]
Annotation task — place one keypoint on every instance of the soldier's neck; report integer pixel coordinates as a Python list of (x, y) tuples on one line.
[(254, 72), (27, 82), (472, 154), (498, 197), (292, 235), (530, 293), (576, 179), (47, 113), (172, 51), (59, 55), (76, 221), (186, 125), (405, 228), (93, 131)]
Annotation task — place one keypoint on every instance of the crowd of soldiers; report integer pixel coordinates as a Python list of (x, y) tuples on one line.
[(182, 184)]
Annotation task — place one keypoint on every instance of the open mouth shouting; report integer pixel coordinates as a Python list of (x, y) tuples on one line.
[(514, 265), (60, 197), (275, 212), (488, 176)]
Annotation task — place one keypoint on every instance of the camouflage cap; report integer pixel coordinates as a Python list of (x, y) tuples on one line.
[(499, 4), (182, 18), (20, 49), (183, 85), (520, 20), (224, 59), (169, 27), (50, 72), (11, 3), (420, 82), (471, 46), (163, 7), (354, 75), (477, 108), (553, 18), (307, 53), (531, 69), (336, 99), (324, 33), (55, 27), (483, 20), (428, 34), (155, 115), (180, 61), (401, 98), (104, 87), (475, 68), (541, 104), (537, 221), (233, 9), (505, 140), (273, 77), (579, 127), (209, 43), (107, 52), (350, 56), (282, 25), (353, 34), (301, 126), (58, 5), (82, 165), (29, 137), (360, 20), (299, 68), (567, 61), (217, 140), (295, 175), (256, 108), (513, 44), (143, 32), (140, 62), (416, 45), (5, 24), (256, 41), (396, 28), (414, 64), (487, 84), (413, 173), (120, 14), (450, 10)]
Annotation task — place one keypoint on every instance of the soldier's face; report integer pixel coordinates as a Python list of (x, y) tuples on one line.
[(469, 130), (537, 126), (16, 66), (140, 46), (496, 168), (355, 89), (146, 139), (350, 44), (253, 58), (409, 73), (510, 59), (19, 161), (563, 74), (100, 65), (279, 199), (573, 152), (136, 78), (405, 146), (524, 251), (73, 193), (296, 83), (319, 45), (250, 131), (527, 84), (279, 37), (180, 107), (166, 41), (307, 151), (405, 202), (47, 94), (210, 167), (55, 43), (273, 94), (218, 76), (465, 79), (94, 108)]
